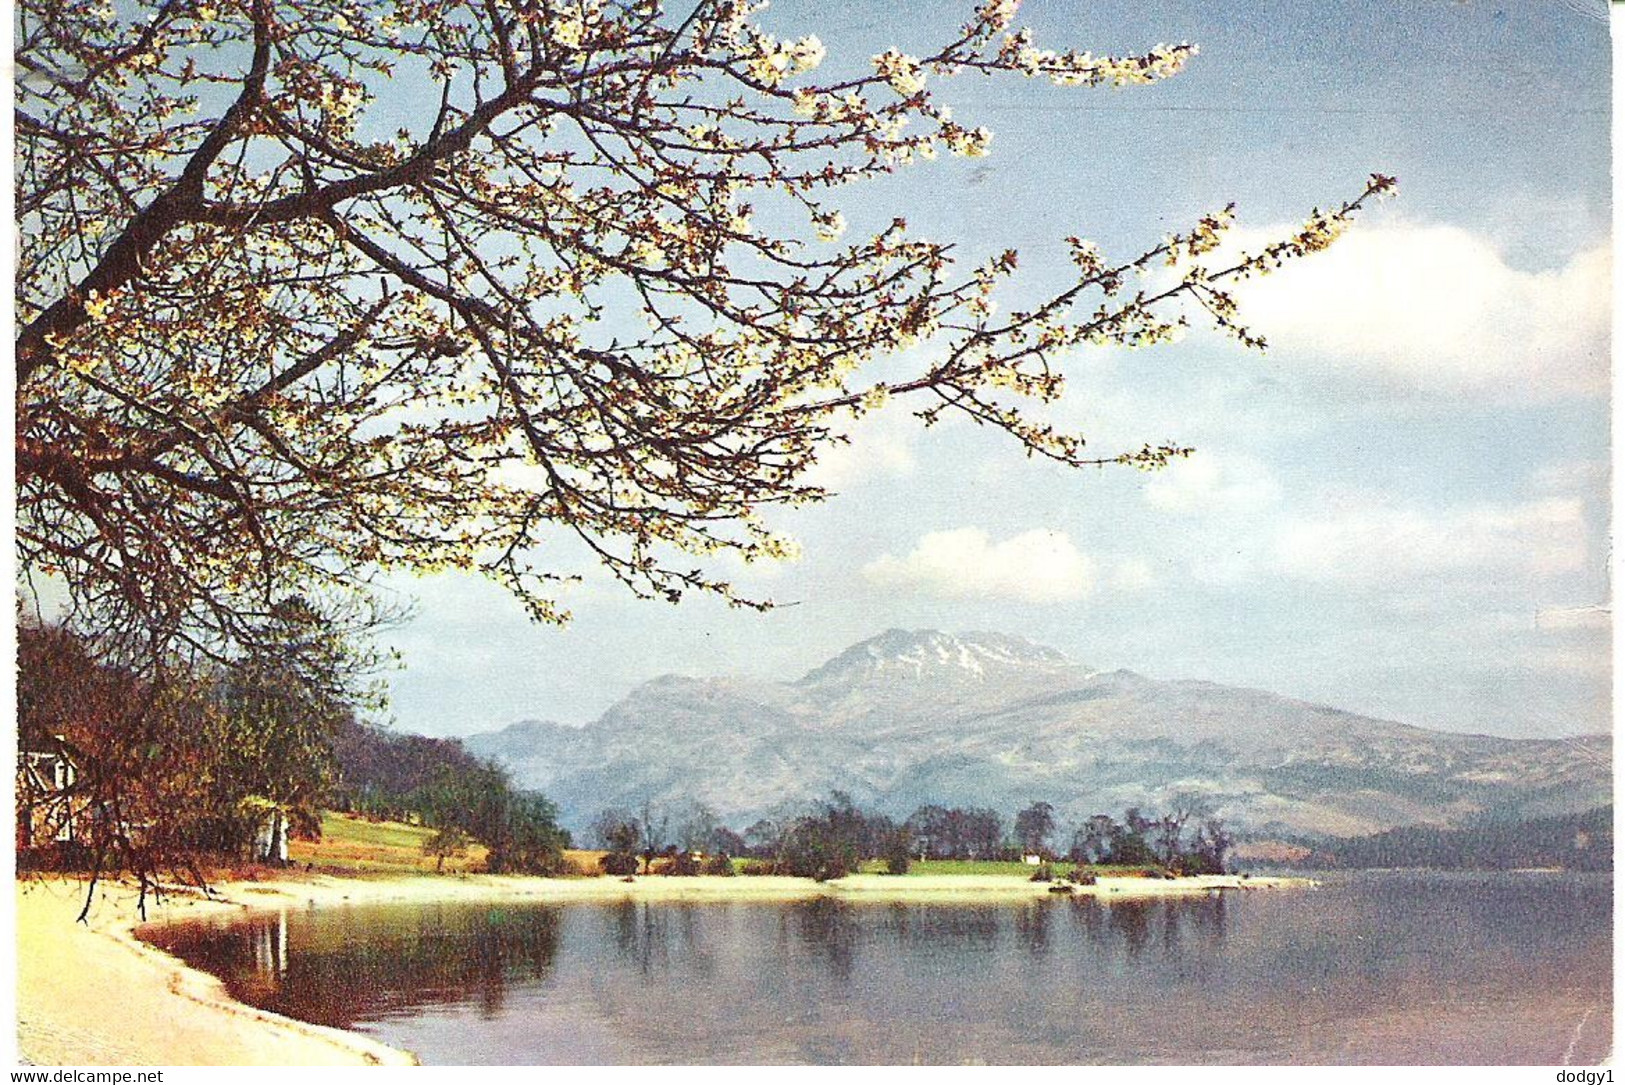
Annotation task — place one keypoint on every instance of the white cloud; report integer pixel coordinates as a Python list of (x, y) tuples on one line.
[(1208, 483), (1034, 567), (1536, 539), (1435, 308)]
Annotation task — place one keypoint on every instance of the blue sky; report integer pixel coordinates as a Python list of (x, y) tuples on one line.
[(1401, 509)]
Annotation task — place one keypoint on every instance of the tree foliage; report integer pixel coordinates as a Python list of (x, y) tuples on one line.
[(175, 764), (1582, 841), (940, 832), (448, 843), (616, 831), (278, 332), (380, 774), (1143, 840), (1034, 826), (827, 844), (453, 790)]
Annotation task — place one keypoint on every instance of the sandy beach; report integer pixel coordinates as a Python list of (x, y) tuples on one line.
[(172, 1015)]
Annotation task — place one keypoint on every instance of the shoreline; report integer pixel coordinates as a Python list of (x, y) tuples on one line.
[(65, 969)]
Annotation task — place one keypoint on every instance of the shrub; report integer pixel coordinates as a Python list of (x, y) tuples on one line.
[(718, 865), (896, 852), (819, 848), (619, 862), (1079, 876), (1045, 873)]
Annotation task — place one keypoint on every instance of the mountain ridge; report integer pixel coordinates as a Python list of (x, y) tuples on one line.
[(905, 718)]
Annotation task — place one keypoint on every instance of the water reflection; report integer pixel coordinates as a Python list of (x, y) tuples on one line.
[(1032, 928), (828, 929), (651, 937), (1393, 970), (340, 968), (1180, 927), (350, 965)]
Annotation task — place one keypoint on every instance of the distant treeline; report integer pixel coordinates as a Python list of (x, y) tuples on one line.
[(834, 836), (1572, 841)]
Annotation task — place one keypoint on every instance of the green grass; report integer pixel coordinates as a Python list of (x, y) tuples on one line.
[(351, 845), (338, 829), (355, 846), (956, 866)]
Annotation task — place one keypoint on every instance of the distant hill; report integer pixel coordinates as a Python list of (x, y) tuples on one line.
[(1572, 841), (907, 718)]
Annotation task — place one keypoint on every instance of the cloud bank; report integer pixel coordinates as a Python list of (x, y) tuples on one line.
[(965, 563), (1435, 309), (1378, 543)]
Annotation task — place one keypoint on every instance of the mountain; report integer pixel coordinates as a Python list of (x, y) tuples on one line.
[(984, 719)]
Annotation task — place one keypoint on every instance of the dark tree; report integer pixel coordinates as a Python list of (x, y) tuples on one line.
[(1034, 826), (928, 831), (447, 843), (818, 847), (896, 848), (1210, 847), (763, 837), (725, 842), (1128, 843), (981, 833), (1091, 841), (654, 834), (616, 831), (696, 824), (1168, 834)]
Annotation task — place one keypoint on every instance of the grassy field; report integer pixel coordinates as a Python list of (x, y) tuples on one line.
[(355, 846), (352, 845), (955, 866)]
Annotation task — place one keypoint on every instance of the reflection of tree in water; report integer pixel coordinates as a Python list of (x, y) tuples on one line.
[(1207, 918), (1130, 921), (340, 967), (833, 930), (337, 969), (828, 928), (1032, 928), (973, 928), (913, 925), (1170, 933), (1088, 916), (653, 936), (1130, 924), (640, 935)]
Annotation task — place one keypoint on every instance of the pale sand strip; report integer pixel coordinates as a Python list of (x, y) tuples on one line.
[(97, 996)]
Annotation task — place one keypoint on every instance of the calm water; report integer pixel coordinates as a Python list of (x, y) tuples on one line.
[(1390, 968)]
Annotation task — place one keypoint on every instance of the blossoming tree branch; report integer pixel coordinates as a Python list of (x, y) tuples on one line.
[(273, 338)]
